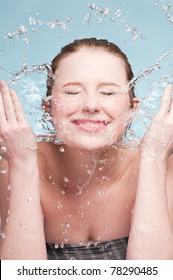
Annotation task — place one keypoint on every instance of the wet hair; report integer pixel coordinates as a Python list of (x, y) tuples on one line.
[(101, 44)]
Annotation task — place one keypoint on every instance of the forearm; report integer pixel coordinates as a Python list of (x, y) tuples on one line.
[(24, 232), (151, 235)]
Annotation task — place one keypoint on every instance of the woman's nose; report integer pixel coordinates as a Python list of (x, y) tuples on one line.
[(91, 104)]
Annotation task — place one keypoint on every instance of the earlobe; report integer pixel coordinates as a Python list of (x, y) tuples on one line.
[(136, 103)]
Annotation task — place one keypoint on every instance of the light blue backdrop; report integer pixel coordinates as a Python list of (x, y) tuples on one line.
[(34, 31)]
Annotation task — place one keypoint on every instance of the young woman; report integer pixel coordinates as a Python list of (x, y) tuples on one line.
[(90, 197)]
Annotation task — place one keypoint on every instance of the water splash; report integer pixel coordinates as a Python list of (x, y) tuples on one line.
[(114, 17), (28, 29)]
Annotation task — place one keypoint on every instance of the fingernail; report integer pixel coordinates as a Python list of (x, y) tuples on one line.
[(2, 84)]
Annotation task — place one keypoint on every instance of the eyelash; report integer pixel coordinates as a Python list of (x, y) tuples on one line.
[(109, 93), (72, 93), (104, 93)]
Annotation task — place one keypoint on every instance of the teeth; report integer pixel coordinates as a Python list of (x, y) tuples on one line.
[(90, 124)]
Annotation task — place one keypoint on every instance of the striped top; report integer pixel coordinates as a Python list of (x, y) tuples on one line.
[(107, 250)]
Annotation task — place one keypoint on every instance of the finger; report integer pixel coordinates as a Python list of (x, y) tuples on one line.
[(2, 111), (7, 101), (18, 107), (171, 104), (165, 103)]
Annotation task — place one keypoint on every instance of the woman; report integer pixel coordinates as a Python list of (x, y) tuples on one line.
[(89, 197)]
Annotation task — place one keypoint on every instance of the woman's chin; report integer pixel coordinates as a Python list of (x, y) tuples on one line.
[(90, 144)]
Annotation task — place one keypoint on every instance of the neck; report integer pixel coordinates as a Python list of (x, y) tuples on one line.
[(83, 170)]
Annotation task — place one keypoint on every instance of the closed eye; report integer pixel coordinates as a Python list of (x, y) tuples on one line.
[(109, 92), (71, 92)]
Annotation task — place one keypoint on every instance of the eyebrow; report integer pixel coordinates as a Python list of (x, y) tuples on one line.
[(72, 84), (99, 85)]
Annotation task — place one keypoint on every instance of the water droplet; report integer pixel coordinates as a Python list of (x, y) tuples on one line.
[(59, 205), (101, 168), (3, 171), (82, 215), (61, 149), (81, 243), (105, 226), (98, 237), (3, 235), (62, 245), (66, 239), (56, 245), (63, 193), (3, 149), (117, 13), (29, 199), (7, 220), (101, 192), (66, 179), (9, 187), (156, 2), (90, 201), (67, 225)]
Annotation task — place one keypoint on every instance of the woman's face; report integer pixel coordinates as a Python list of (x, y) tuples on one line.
[(88, 112)]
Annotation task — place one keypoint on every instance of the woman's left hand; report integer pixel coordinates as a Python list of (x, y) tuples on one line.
[(158, 140)]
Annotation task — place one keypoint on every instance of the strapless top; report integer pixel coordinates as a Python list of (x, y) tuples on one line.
[(106, 250)]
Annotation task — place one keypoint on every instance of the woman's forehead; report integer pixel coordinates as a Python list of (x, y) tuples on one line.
[(96, 64)]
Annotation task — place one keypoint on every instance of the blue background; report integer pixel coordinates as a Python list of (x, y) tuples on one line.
[(149, 19)]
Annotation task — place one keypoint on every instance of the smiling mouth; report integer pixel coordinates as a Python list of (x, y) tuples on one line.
[(90, 126)]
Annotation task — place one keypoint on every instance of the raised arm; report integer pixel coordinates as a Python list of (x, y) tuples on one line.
[(22, 218), (151, 235)]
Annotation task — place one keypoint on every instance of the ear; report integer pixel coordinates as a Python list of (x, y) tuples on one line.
[(136, 104), (46, 105)]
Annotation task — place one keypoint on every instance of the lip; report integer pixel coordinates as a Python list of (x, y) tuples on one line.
[(90, 125)]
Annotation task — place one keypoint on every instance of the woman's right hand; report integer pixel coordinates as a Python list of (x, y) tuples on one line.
[(17, 140)]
